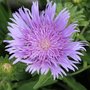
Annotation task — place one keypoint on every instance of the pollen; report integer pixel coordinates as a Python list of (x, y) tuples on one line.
[(45, 44)]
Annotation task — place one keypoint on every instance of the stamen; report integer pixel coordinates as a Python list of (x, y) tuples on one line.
[(45, 44)]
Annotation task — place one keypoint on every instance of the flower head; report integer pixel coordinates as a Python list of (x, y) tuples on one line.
[(43, 41)]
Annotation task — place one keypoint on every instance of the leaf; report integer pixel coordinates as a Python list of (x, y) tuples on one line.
[(75, 13), (4, 17), (27, 86), (8, 86), (72, 83), (44, 80)]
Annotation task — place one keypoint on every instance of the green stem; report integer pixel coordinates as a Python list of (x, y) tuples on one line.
[(81, 70), (83, 30), (68, 82)]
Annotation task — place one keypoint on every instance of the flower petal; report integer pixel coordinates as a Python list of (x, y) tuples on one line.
[(62, 19)]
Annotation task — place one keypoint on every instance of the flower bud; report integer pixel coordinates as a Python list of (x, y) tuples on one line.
[(77, 1), (7, 68)]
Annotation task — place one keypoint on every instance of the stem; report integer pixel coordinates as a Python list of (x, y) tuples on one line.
[(81, 70), (83, 30)]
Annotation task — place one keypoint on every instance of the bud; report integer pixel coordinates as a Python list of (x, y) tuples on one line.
[(77, 1), (7, 68)]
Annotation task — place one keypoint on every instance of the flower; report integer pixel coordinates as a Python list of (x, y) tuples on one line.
[(44, 42)]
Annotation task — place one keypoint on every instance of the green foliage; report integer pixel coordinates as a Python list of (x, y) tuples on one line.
[(4, 17), (27, 86), (73, 84), (10, 71), (44, 80), (76, 14), (87, 56)]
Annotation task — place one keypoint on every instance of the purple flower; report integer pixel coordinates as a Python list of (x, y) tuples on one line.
[(43, 41)]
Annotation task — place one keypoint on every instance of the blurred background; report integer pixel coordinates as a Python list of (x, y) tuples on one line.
[(14, 77)]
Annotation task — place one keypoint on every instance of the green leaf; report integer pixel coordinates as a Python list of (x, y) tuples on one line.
[(44, 80), (27, 86), (8, 86), (75, 13), (72, 83), (4, 17)]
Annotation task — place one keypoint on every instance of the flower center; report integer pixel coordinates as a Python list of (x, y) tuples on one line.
[(45, 44)]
